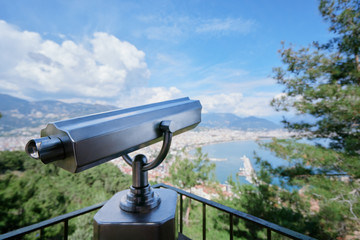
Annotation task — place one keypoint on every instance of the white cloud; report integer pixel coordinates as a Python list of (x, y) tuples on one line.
[(163, 32), (112, 52), (221, 102), (280, 96), (225, 25), (100, 69), (252, 84), (143, 95), (172, 27), (103, 69), (238, 104), (221, 88), (15, 45)]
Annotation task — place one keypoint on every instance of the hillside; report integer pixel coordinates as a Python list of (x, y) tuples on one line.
[(19, 113), (228, 120)]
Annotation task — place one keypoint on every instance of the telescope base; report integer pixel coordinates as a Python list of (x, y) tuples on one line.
[(141, 200), (111, 222)]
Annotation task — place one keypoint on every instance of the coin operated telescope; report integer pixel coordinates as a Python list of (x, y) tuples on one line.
[(81, 143)]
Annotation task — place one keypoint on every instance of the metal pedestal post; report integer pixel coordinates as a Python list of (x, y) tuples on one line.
[(141, 212), (111, 222)]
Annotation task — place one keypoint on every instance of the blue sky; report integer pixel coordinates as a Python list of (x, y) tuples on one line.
[(127, 53)]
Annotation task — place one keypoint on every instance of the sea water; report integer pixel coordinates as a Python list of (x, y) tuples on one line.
[(227, 157)]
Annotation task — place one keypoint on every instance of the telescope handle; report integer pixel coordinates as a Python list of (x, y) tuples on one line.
[(141, 197), (165, 126)]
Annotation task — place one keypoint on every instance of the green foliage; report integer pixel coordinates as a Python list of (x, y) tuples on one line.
[(186, 173), (31, 192), (13, 161), (321, 81), (194, 229), (271, 203)]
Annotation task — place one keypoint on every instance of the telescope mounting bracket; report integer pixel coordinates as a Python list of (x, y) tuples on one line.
[(141, 197)]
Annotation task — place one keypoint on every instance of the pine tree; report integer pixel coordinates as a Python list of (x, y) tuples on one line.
[(322, 86), (186, 173)]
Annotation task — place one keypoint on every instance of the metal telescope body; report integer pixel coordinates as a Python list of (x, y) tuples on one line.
[(81, 143)]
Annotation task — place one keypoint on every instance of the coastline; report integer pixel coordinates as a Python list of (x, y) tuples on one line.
[(187, 141), (194, 139)]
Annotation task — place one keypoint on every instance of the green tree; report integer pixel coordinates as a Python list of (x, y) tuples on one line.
[(322, 86), (31, 192), (186, 172), (266, 201)]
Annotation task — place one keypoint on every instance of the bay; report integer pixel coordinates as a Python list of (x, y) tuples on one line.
[(228, 155)]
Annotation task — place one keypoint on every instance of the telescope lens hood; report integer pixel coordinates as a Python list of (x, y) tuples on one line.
[(47, 149)]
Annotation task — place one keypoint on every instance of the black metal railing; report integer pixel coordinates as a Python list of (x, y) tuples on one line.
[(18, 233), (270, 227)]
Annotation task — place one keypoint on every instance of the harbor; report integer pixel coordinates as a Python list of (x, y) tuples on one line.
[(247, 170)]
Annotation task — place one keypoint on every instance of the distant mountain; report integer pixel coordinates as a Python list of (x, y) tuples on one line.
[(228, 120), (19, 113)]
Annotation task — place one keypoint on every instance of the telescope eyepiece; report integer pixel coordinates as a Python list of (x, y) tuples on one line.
[(47, 149), (32, 150)]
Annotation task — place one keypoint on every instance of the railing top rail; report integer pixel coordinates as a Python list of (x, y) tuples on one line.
[(274, 227), (49, 222)]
